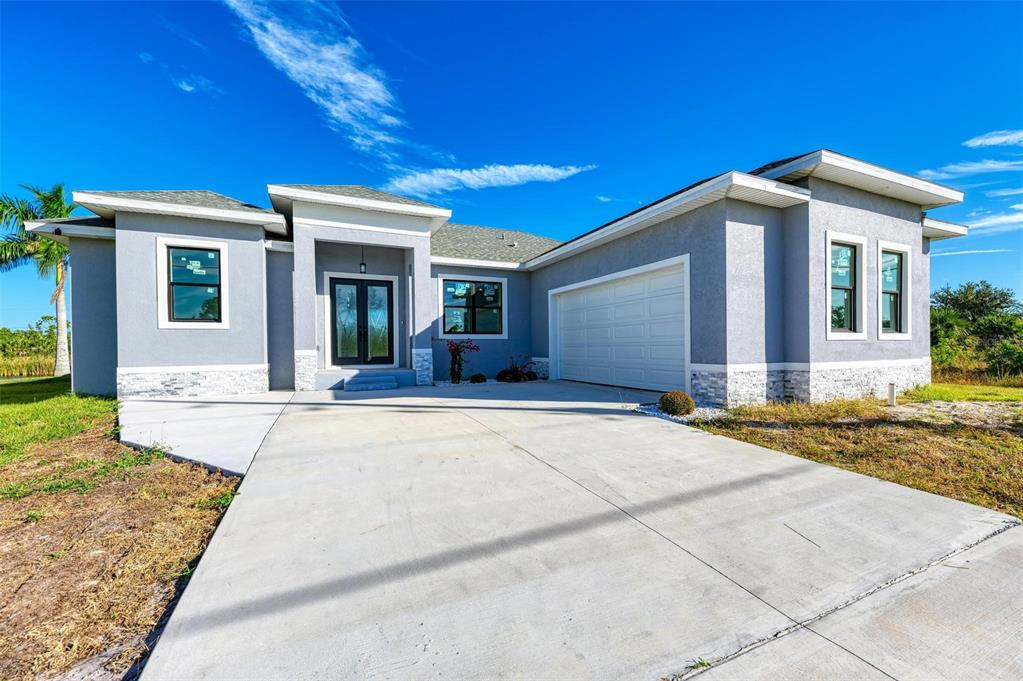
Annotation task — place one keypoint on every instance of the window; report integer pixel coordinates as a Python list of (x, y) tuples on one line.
[(193, 284), (843, 287), (894, 293), (473, 307), (891, 292)]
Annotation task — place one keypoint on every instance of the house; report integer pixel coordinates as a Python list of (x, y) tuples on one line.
[(807, 278)]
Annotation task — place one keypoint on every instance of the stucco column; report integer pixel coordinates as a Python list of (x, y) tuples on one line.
[(304, 293), (424, 316)]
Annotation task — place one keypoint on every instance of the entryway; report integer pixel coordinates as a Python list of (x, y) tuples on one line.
[(364, 312)]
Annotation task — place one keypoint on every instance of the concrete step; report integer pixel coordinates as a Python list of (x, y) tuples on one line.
[(335, 379), (360, 383)]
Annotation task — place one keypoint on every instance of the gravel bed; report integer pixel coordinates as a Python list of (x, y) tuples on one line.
[(700, 413)]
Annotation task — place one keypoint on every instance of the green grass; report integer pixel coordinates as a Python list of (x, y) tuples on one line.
[(958, 392), (40, 409)]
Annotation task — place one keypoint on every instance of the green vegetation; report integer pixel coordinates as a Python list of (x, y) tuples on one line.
[(30, 351), (20, 247), (977, 330), (958, 392), (38, 410), (676, 403)]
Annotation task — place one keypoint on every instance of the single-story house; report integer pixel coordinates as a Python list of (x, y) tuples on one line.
[(807, 278)]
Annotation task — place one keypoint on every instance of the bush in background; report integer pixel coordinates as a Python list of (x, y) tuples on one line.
[(30, 351), (976, 332)]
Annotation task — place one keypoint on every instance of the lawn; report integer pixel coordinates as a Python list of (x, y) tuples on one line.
[(96, 538), (955, 452), (960, 392)]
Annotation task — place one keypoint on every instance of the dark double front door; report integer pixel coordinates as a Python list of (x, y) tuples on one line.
[(363, 326)]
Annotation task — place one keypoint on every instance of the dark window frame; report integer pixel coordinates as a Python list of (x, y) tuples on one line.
[(471, 307), (171, 285), (853, 321), (897, 292)]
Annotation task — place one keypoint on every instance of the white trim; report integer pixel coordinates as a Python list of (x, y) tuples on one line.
[(313, 196), (441, 276), (279, 246), (939, 195), (860, 243), (811, 366), (469, 262), (317, 222), (328, 363), (936, 230), (749, 188), (554, 307), (162, 285), (193, 368), (906, 292), (68, 230), (306, 353), (270, 221)]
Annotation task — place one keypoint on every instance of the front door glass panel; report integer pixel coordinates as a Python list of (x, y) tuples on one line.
[(363, 326)]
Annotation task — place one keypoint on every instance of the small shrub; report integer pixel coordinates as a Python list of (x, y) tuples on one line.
[(516, 372), (676, 403), (532, 376), (477, 378)]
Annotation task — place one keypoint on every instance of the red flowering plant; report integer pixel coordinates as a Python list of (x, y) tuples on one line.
[(457, 349)]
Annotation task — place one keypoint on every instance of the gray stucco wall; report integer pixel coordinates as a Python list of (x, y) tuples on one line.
[(494, 353), (796, 281), (94, 326), (140, 342), (844, 209), (754, 253), (345, 258), (700, 233), (280, 319)]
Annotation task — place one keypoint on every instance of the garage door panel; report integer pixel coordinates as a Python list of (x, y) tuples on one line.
[(627, 332)]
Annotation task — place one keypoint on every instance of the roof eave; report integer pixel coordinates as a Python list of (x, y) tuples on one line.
[(438, 216), (733, 184), (108, 206), (63, 231), (835, 167), (936, 230)]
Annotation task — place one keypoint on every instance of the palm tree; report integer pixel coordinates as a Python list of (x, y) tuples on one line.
[(19, 247)]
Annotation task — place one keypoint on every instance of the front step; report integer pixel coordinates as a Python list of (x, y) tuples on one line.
[(360, 383), (336, 378)]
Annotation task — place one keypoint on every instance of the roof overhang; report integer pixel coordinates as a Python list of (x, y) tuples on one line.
[(852, 172), (108, 206), (62, 231), (730, 185), (282, 199), (935, 230), (473, 262)]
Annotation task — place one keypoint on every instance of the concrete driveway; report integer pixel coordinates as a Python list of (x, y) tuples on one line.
[(545, 531)]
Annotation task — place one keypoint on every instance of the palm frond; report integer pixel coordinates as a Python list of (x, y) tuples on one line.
[(14, 253), (15, 212), (18, 246)]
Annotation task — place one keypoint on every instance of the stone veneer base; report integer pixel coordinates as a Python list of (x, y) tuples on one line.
[(820, 384), (422, 362), (306, 365), (192, 381)]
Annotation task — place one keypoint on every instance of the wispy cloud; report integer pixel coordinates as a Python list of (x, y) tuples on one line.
[(972, 251), (996, 138), (146, 58), (195, 83), (1015, 191), (313, 46), (966, 168), (998, 223), (443, 180), (603, 199)]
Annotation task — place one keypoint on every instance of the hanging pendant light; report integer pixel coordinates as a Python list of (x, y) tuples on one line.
[(362, 263)]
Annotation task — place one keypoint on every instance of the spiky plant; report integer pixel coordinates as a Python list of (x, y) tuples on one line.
[(19, 247)]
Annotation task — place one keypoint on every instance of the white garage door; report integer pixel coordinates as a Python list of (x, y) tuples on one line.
[(627, 331)]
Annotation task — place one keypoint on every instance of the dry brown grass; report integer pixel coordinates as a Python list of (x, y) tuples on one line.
[(85, 572), (980, 465)]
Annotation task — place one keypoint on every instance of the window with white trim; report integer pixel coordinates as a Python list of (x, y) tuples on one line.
[(844, 286), (473, 307), (193, 284), (894, 291)]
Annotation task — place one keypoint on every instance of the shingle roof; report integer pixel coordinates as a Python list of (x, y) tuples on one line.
[(201, 198), (488, 243), (359, 192)]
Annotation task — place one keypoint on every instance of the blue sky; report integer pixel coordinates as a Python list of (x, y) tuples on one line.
[(551, 118)]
